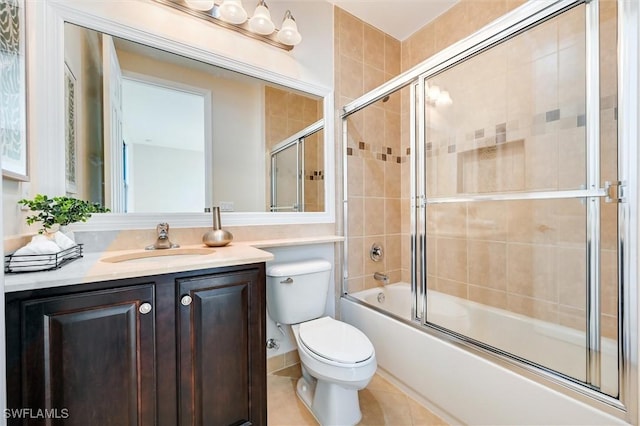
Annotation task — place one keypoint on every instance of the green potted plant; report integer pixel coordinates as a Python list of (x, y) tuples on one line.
[(59, 210)]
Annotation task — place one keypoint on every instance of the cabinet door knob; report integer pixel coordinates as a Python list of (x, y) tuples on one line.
[(186, 300), (145, 308)]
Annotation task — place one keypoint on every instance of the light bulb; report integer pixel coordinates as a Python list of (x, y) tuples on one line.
[(289, 34), (261, 22), (200, 4), (232, 11), (444, 99)]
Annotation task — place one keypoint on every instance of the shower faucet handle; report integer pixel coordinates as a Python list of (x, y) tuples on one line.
[(376, 253)]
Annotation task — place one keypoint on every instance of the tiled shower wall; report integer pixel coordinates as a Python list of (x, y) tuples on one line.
[(365, 58), (378, 170), (523, 115), (287, 113)]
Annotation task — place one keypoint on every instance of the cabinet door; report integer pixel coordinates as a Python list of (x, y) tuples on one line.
[(89, 358), (222, 349)]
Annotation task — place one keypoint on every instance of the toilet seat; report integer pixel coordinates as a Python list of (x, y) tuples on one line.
[(335, 341)]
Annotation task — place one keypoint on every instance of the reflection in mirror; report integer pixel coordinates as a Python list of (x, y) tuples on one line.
[(297, 172), (158, 132)]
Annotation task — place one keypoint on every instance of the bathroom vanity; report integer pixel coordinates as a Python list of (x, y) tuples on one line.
[(184, 347)]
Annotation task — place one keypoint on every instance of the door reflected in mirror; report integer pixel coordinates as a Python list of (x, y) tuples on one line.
[(158, 132)]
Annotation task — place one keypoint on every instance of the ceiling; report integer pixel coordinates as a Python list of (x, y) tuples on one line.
[(398, 18)]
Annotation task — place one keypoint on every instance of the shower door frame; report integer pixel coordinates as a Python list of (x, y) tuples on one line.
[(527, 16)]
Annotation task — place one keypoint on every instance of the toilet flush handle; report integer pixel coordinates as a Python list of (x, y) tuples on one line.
[(287, 281)]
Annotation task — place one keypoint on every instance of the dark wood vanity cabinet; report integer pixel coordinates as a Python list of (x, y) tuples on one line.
[(181, 349), (220, 350)]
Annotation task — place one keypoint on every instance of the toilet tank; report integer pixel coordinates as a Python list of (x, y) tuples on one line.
[(297, 291)]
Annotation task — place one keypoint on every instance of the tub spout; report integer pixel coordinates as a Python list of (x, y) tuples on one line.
[(379, 276)]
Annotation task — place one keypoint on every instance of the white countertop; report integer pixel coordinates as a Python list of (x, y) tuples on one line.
[(91, 267)]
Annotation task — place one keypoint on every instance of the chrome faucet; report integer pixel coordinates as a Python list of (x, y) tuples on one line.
[(162, 242), (379, 276)]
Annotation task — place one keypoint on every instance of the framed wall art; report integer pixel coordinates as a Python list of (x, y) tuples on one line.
[(70, 136), (13, 93)]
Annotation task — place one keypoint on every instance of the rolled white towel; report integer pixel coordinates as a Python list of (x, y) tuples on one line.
[(63, 241), (42, 255)]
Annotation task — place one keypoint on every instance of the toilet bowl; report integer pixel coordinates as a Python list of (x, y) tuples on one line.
[(337, 359)]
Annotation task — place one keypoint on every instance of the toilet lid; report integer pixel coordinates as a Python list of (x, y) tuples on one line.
[(336, 340)]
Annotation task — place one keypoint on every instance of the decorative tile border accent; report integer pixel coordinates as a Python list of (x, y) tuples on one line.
[(384, 153), (315, 175)]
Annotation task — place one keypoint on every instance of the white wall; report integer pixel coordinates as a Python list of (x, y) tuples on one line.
[(153, 189), (237, 128), (238, 145)]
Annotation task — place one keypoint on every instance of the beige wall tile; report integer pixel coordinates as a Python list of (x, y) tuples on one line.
[(571, 276), (487, 221), (541, 162), (392, 214), (532, 308), (374, 218), (393, 179), (374, 127), (355, 181), (351, 77), (374, 178), (374, 44), (609, 327), (531, 222), (454, 288), (609, 276), (355, 257), (355, 219), (392, 55), (488, 264), (393, 246), (355, 285), (275, 363), (495, 298), (481, 13), (572, 317), (451, 258), (447, 220), (531, 271), (569, 218), (432, 255), (291, 358), (451, 27), (351, 30), (373, 77), (609, 225), (572, 158)]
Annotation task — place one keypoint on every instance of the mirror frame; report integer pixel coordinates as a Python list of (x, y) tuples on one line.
[(46, 116)]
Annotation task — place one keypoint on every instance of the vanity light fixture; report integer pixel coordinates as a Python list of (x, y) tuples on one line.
[(231, 14), (203, 5), (231, 11), (261, 22), (288, 33)]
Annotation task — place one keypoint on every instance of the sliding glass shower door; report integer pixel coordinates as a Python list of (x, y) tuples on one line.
[(517, 170)]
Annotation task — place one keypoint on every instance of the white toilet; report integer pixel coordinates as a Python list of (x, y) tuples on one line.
[(337, 359)]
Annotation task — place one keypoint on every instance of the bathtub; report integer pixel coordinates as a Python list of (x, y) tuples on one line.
[(458, 383)]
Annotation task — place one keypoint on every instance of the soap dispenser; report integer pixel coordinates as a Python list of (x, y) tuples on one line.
[(217, 237)]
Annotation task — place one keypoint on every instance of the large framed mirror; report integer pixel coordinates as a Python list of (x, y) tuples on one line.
[(165, 130)]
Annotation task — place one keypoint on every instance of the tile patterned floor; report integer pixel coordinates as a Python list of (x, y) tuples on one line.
[(381, 404)]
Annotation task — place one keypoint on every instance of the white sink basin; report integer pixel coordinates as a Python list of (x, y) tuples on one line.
[(148, 256)]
